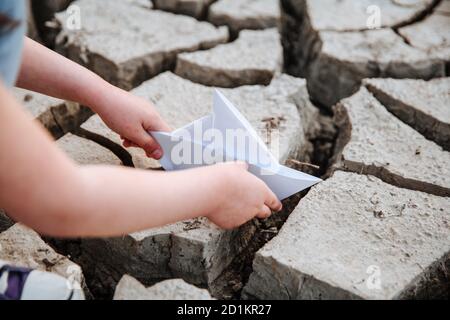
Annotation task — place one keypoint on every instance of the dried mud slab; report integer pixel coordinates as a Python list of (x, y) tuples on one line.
[(354, 236), (335, 54), (424, 105), (56, 115), (129, 288), (373, 141), (349, 15), (245, 14), (431, 35), (127, 44), (254, 58), (194, 250), (23, 247), (347, 58), (86, 152), (194, 8)]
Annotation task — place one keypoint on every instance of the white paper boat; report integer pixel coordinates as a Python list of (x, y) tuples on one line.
[(199, 144)]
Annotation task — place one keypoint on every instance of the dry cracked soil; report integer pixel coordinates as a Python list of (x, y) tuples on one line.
[(366, 109)]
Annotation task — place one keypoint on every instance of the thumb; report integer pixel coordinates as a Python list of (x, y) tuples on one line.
[(151, 147), (156, 123)]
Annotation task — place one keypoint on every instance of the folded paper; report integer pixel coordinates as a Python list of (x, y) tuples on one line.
[(225, 135)]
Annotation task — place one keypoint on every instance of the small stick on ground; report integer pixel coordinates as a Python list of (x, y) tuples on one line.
[(303, 164)]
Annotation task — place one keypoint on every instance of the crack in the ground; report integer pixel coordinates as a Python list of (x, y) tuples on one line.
[(219, 74), (432, 283), (132, 73), (230, 283), (417, 120), (120, 152), (389, 177), (59, 132), (419, 16), (5, 221), (342, 120), (303, 56), (405, 40), (71, 122)]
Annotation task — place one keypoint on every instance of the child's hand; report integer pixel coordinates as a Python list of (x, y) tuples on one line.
[(133, 117), (242, 197)]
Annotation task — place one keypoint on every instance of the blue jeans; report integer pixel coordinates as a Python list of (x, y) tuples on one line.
[(11, 40)]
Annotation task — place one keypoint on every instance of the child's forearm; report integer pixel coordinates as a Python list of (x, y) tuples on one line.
[(43, 70), (122, 200), (112, 201)]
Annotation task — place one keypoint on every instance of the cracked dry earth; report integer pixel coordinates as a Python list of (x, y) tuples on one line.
[(367, 110)]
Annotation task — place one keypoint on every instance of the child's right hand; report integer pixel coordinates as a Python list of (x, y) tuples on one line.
[(242, 197)]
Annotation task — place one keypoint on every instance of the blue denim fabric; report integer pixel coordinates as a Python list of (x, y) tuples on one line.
[(11, 40)]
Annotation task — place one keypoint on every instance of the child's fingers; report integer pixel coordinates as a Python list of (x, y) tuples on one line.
[(264, 213), (272, 201), (151, 147), (128, 144)]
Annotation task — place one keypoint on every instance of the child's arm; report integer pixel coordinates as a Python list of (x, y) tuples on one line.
[(42, 188), (47, 72)]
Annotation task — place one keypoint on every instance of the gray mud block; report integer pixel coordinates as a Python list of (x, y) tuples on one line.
[(129, 288), (373, 141), (86, 152), (245, 14), (424, 105), (21, 246), (254, 58), (356, 237)]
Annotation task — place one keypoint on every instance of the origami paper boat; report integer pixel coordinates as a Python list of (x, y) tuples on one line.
[(225, 135)]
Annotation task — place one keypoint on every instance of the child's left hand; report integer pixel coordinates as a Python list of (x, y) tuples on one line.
[(45, 71), (132, 118)]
